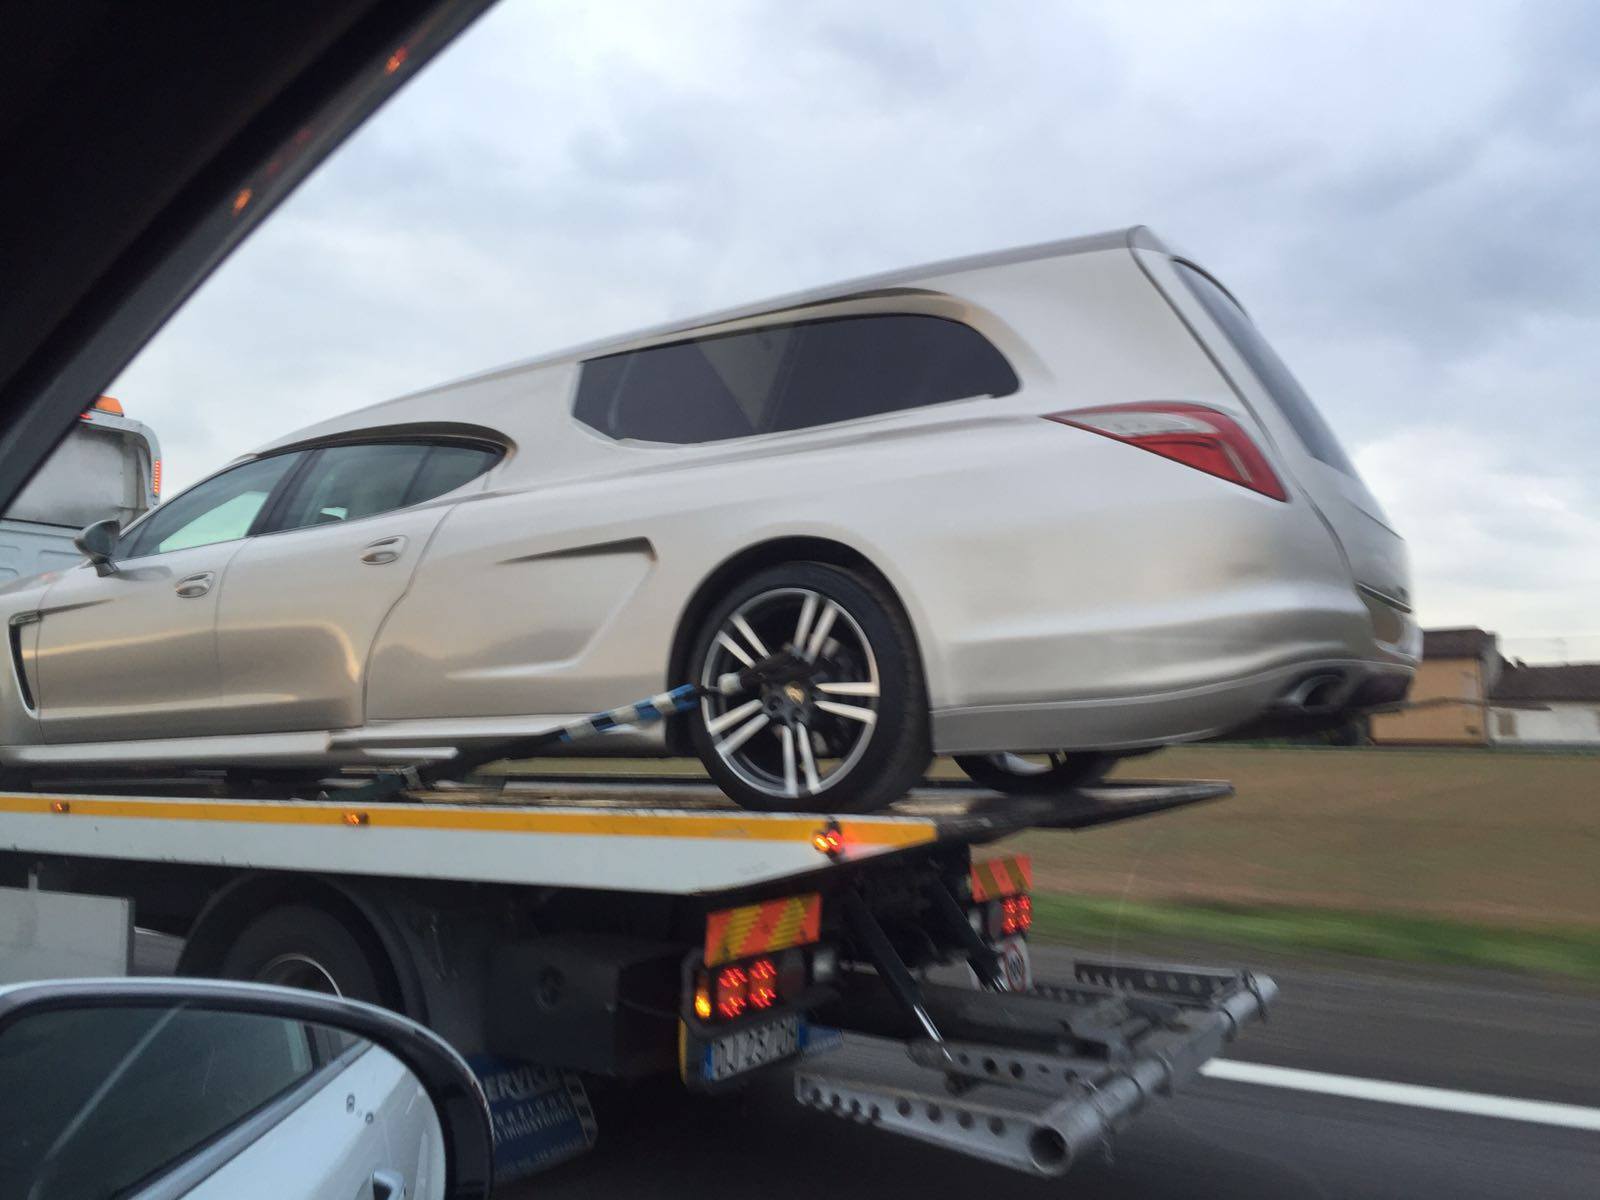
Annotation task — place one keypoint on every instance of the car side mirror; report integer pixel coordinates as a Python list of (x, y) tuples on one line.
[(189, 1086), (97, 542)]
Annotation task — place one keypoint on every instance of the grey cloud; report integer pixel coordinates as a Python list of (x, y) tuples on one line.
[(1404, 202)]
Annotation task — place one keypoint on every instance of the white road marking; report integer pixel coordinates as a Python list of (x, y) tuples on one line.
[(1478, 1104)]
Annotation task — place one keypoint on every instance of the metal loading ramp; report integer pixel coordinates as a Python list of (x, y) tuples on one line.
[(1036, 1081)]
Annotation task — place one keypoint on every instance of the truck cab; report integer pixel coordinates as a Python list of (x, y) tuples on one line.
[(108, 465)]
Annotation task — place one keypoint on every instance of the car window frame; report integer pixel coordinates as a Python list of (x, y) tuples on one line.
[(274, 512), (128, 539)]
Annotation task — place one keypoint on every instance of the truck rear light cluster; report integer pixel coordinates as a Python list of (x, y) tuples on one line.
[(733, 990), (1191, 434), (763, 991), (1016, 915), (755, 985), (1004, 918)]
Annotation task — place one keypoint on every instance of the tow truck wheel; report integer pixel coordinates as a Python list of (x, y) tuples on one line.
[(1035, 774), (853, 736), (303, 946)]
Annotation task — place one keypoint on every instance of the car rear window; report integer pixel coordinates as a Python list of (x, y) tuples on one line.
[(785, 377), (1285, 389)]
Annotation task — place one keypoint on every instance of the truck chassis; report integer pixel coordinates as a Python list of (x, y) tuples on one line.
[(589, 930)]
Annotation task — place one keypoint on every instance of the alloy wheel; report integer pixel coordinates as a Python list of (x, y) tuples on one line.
[(802, 737)]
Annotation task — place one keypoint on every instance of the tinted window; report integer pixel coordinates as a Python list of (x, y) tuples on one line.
[(219, 510), (346, 483), (448, 467), (1284, 388), (95, 1102), (788, 377)]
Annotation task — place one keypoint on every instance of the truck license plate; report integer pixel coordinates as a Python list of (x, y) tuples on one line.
[(736, 1053)]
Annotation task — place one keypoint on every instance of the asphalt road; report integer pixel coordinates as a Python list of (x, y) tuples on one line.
[(1465, 1031), (1215, 1139)]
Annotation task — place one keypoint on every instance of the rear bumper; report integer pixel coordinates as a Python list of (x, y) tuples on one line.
[(1297, 698)]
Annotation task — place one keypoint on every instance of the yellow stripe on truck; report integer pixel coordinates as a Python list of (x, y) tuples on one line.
[(880, 834)]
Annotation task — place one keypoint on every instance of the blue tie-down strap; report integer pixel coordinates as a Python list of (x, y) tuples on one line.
[(645, 712), (541, 1116)]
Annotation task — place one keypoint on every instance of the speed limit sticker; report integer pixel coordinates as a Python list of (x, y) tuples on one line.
[(1016, 967)]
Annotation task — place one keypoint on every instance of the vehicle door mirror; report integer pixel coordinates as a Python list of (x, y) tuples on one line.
[(97, 542), (205, 1089)]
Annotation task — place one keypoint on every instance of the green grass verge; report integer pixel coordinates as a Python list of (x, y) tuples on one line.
[(1572, 953)]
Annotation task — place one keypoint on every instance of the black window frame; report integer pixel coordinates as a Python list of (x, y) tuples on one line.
[(768, 424)]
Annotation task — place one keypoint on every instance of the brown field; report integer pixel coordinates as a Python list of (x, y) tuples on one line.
[(1474, 835), (1499, 837)]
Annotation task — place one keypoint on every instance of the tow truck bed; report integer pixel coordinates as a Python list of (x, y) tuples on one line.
[(657, 835), (576, 927)]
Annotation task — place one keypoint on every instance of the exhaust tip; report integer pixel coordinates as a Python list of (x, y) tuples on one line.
[(1314, 694)]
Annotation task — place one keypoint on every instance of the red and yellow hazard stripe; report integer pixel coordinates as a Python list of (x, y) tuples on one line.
[(995, 878), (761, 928)]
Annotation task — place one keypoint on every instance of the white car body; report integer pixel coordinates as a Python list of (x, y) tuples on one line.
[(1066, 590)]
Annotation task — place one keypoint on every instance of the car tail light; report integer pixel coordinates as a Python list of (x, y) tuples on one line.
[(1191, 434)]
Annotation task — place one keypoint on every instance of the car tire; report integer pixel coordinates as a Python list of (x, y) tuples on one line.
[(301, 945), (1017, 776), (857, 732)]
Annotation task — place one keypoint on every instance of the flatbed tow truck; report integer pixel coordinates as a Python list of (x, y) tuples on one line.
[(563, 931)]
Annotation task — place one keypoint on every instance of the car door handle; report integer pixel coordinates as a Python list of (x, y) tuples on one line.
[(193, 586), (384, 550), (388, 1185)]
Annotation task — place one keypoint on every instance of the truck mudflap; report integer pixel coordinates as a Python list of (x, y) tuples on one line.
[(1038, 1080)]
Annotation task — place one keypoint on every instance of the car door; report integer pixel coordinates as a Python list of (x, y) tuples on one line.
[(133, 653), (369, 1133), (303, 602)]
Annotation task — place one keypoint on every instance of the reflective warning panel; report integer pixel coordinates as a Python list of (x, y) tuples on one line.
[(997, 877), (761, 928)]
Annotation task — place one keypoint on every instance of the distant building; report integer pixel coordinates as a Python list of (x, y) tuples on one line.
[(1459, 667), (1546, 705), (1466, 694)]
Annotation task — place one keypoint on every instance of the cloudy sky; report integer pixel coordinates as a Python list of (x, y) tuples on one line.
[(1404, 195)]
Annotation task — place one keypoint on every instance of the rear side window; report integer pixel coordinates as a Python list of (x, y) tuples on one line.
[(448, 467), (785, 377), (346, 483), (1274, 375)]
